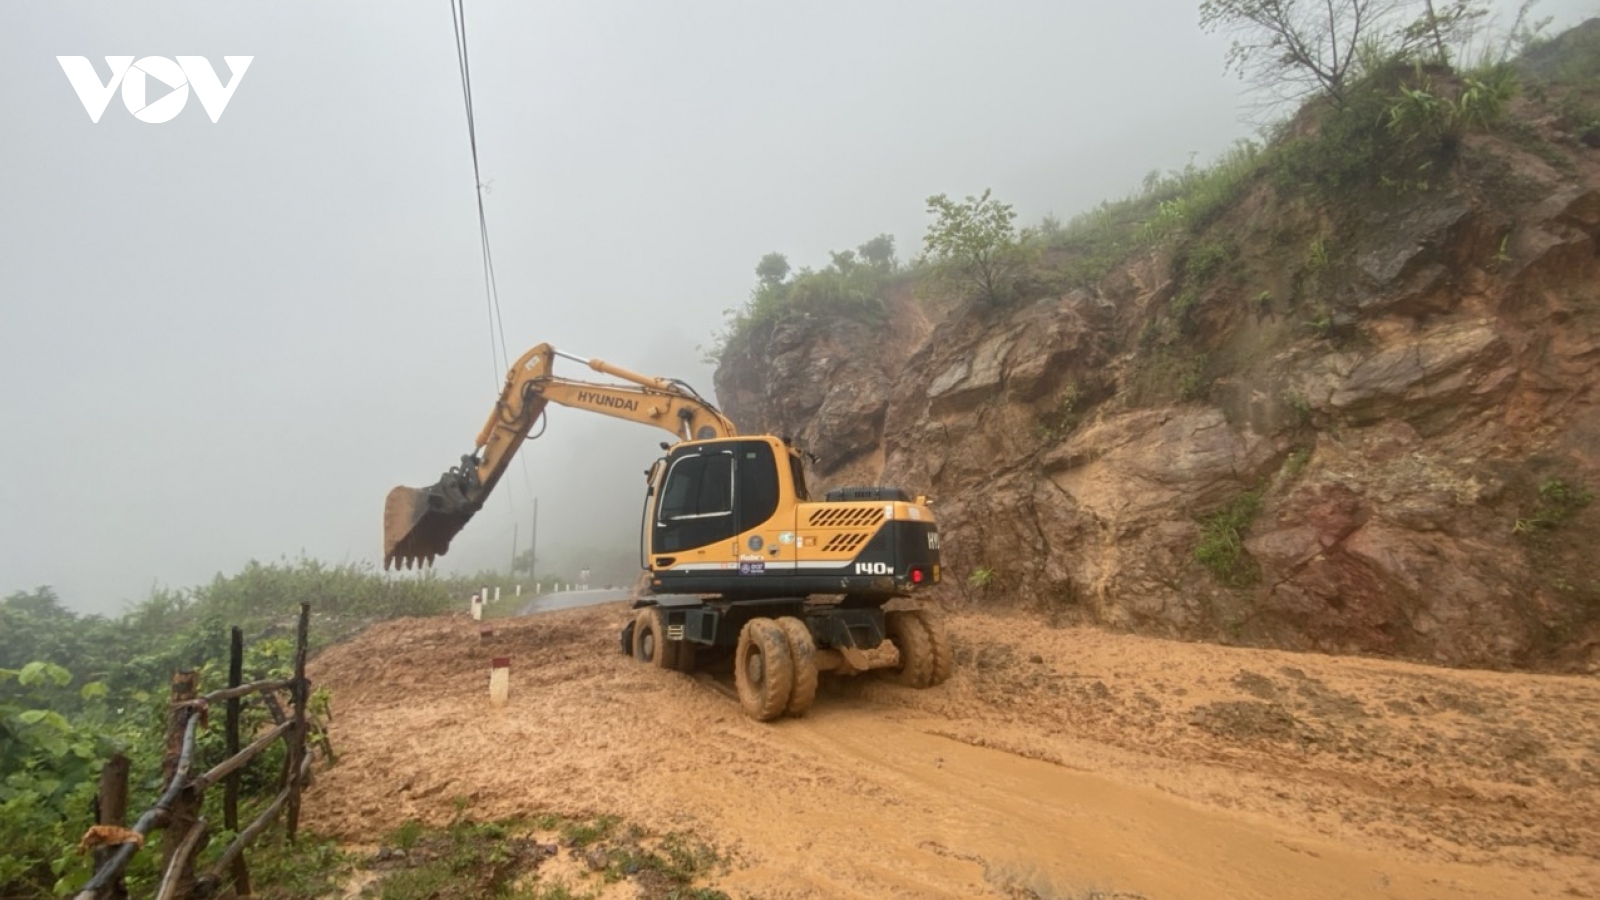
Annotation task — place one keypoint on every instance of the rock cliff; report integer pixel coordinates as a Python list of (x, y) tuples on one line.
[(1365, 427)]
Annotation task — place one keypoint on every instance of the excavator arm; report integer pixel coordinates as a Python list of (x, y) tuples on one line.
[(418, 523)]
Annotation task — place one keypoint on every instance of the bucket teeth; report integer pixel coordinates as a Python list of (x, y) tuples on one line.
[(407, 561)]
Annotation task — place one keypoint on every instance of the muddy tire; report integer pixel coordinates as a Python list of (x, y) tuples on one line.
[(627, 639), (763, 670), (650, 644), (910, 636), (939, 642), (803, 650)]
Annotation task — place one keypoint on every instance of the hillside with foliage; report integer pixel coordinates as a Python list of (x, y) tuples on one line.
[(1333, 391), (76, 688)]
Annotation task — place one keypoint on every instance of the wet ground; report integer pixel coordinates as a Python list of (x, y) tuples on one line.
[(1054, 763)]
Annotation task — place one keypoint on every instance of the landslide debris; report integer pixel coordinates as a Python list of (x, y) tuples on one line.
[(1059, 761)]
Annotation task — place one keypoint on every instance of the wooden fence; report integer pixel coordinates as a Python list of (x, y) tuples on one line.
[(178, 811)]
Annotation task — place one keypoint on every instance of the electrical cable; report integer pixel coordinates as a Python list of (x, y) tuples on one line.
[(502, 361)]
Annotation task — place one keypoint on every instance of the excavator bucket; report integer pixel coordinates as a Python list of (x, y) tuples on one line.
[(418, 524)]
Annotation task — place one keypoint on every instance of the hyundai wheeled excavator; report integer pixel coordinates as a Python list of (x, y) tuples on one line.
[(738, 555)]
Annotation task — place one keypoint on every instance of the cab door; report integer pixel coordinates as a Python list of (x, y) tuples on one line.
[(765, 543), (695, 510)]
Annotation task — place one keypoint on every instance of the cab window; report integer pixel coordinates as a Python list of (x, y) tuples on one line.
[(697, 486)]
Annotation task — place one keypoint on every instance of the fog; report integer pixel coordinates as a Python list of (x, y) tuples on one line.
[(225, 341)]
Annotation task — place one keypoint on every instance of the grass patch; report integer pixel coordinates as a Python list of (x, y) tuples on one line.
[(1559, 501), (464, 860), (1170, 206), (1221, 547), (981, 578), (1296, 462), (310, 868), (1066, 415), (582, 833), (467, 860)]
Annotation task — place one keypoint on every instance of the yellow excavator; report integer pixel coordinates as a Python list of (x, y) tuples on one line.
[(739, 557)]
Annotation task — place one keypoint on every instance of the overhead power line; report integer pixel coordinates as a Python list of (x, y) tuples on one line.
[(499, 355)]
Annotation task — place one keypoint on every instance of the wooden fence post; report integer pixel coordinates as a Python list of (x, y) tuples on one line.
[(111, 808), (230, 790), (185, 812), (299, 694)]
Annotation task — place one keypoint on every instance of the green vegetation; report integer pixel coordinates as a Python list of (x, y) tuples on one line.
[(974, 246), (50, 761), (1559, 501), (1295, 463), (312, 867), (981, 578), (57, 727), (851, 287), (75, 688), (467, 860), (1299, 408), (1221, 547), (1065, 416)]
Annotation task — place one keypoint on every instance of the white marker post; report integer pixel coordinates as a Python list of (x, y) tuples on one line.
[(499, 680), (477, 608)]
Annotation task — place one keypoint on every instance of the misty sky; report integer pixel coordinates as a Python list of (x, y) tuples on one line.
[(228, 341)]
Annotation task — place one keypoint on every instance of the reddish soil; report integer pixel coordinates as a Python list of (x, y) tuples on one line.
[(1054, 763)]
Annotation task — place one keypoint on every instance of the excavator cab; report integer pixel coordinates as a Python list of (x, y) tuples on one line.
[(731, 517)]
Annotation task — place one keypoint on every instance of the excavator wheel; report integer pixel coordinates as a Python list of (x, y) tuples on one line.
[(763, 669), (649, 641), (939, 644), (804, 652), (910, 636)]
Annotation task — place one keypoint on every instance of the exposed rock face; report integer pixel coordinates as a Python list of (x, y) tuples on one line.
[(1398, 406)]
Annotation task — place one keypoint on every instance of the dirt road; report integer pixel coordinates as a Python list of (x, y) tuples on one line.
[(1054, 763)]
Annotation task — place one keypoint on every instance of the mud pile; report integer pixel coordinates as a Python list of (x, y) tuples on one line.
[(1056, 761)]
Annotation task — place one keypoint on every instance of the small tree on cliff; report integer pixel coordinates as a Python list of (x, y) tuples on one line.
[(879, 253), (773, 269), (1317, 46), (973, 244)]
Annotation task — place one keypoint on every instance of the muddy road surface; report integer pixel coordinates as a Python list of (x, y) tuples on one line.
[(1056, 763)]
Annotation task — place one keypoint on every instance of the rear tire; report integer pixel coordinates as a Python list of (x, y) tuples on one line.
[(763, 669), (939, 643), (910, 636), (803, 650), (650, 645)]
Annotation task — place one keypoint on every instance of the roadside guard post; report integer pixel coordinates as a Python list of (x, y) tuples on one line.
[(499, 680)]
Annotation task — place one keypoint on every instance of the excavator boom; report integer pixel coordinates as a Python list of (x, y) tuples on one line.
[(419, 523)]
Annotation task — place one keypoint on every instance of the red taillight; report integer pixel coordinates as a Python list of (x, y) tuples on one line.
[(916, 576)]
